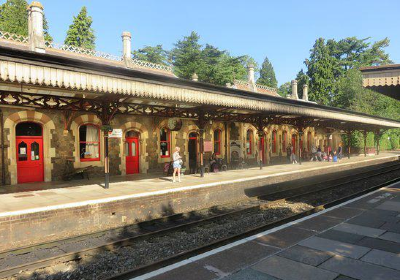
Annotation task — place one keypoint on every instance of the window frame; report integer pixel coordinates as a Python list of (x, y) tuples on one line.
[(168, 141), (82, 142), (250, 141), (218, 141)]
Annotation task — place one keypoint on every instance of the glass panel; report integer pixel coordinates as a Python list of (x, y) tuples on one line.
[(216, 148), (35, 151), (22, 151), (163, 135), (89, 142), (216, 135), (164, 149), (133, 149), (126, 148), (28, 129), (193, 135), (132, 133)]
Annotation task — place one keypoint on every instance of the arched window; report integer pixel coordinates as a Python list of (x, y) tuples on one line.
[(309, 141), (217, 141), (284, 140), (165, 143), (249, 141), (89, 142), (273, 141)]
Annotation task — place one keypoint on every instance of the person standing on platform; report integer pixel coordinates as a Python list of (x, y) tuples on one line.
[(177, 165), (292, 155), (339, 151)]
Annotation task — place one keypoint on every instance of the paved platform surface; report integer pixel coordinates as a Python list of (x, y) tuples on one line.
[(49, 196), (359, 239)]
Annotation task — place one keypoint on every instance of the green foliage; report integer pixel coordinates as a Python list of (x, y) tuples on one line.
[(186, 56), (267, 74), (14, 19), (153, 54), (80, 32), (211, 64), (302, 79), (330, 62), (285, 89), (321, 70)]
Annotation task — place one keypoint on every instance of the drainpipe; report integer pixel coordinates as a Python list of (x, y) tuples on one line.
[(3, 165)]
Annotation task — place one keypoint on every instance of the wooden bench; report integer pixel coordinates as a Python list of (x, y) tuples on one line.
[(84, 172)]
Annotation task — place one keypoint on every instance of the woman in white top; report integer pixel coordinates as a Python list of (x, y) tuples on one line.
[(177, 164)]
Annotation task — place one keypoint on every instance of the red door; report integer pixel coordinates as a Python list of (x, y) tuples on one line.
[(294, 143), (132, 155), (30, 159)]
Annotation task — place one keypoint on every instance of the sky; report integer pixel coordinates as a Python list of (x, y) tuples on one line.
[(282, 30)]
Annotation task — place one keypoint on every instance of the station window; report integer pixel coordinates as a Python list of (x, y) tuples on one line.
[(249, 140), (165, 143), (217, 142), (89, 142), (273, 141)]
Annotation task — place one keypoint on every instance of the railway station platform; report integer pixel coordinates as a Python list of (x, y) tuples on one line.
[(51, 211), (358, 239)]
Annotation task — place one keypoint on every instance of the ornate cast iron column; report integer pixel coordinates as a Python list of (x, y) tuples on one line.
[(378, 135), (260, 147), (106, 115), (365, 133), (301, 133), (201, 123), (349, 143)]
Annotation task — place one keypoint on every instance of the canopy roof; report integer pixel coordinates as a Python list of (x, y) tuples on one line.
[(52, 74), (384, 79)]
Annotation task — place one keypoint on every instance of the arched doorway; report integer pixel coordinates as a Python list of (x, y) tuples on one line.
[(132, 152), (29, 143), (192, 148)]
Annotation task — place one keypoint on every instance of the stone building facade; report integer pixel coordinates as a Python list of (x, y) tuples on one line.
[(61, 144)]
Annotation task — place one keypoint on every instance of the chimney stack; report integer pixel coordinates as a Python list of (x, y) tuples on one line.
[(294, 90), (35, 27), (251, 77), (195, 78), (305, 92), (127, 52)]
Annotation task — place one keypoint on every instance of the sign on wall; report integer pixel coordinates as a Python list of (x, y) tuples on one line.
[(236, 149), (115, 133), (208, 147)]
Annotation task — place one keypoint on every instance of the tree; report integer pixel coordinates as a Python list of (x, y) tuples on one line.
[(267, 74), (186, 56), (14, 19), (321, 68), (153, 54), (80, 32), (302, 79), (285, 89)]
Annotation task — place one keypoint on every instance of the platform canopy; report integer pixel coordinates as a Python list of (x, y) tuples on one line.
[(63, 80), (384, 79)]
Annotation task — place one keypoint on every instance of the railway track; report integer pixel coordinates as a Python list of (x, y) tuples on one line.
[(180, 222)]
